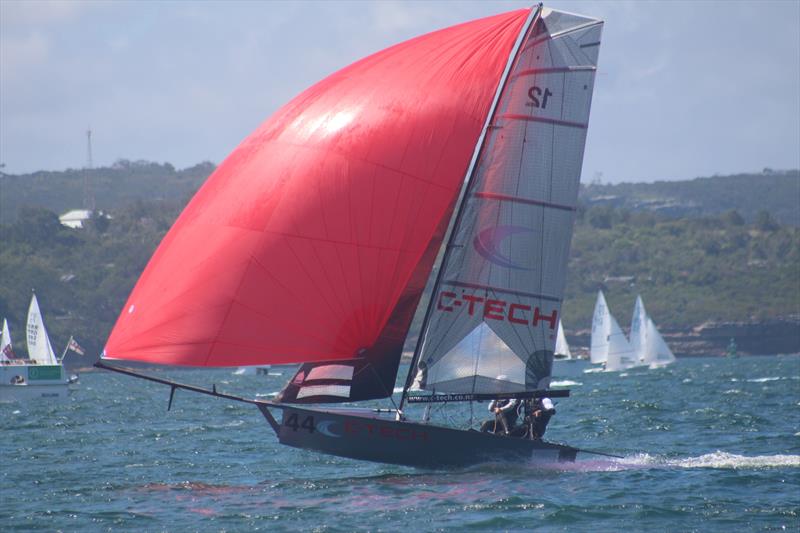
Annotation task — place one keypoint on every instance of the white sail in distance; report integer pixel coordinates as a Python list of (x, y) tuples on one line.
[(609, 344), (638, 334), (39, 348), (657, 352), (5, 342), (601, 329), (493, 318), (562, 348), (619, 353)]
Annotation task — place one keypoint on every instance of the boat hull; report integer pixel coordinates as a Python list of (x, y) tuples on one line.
[(366, 436), (16, 393), (38, 381)]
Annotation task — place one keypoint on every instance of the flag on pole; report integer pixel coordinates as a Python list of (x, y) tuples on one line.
[(8, 351), (75, 347)]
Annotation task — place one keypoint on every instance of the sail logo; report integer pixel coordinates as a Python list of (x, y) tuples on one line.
[(487, 243), (515, 313)]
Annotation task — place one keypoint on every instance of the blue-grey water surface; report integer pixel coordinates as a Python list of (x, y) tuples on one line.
[(709, 445)]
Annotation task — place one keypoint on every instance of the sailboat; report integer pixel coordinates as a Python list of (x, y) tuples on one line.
[(252, 370), (562, 351), (42, 374), (638, 333), (609, 346), (6, 346), (648, 345), (313, 242)]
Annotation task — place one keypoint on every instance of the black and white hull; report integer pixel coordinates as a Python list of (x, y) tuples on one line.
[(366, 435)]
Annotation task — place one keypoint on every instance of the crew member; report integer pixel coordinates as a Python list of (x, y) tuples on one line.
[(505, 416), (543, 411)]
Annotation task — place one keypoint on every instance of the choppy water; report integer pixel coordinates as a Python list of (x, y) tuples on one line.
[(709, 445)]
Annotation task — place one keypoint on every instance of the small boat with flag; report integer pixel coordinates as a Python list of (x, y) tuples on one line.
[(313, 243), (42, 374)]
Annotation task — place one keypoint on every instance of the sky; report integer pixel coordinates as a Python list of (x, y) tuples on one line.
[(684, 89)]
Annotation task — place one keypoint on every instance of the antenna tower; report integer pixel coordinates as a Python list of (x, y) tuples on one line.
[(88, 193)]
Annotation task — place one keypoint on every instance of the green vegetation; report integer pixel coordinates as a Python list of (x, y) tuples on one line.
[(775, 192), (688, 271), (725, 266), (114, 187)]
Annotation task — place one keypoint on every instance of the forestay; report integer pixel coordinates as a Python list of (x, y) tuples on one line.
[(495, 309)]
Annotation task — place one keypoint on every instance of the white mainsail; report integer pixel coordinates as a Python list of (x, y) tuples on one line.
[(562, 348), (601, 328), (496, 307), (39, 348), (657, 352), (638, 334), (609, 344), (5, 342)]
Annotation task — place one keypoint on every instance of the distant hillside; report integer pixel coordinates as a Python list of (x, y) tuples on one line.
[(114, 187), (688, 271), (778, 193)]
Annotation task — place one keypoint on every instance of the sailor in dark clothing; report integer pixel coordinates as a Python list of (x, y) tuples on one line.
[(542, 411)]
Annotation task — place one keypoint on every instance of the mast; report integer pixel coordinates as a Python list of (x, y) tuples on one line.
[(534, 15)]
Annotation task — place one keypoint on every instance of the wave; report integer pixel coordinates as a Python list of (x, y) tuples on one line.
[(717, 460), (763, 380), (592, 370), (565, 383), (267, 394)]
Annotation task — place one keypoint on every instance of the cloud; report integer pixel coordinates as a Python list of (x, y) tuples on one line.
[(25, 52), (24, 13)]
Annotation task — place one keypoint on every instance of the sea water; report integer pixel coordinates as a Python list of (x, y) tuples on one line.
[(708, 445)]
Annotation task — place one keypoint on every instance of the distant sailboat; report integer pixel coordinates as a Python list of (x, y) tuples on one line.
[(40, 351), (638, 334), (6, 347), (42, 374), (609, 344), (252, 370), (648, 345), (658, 353), (562, 351)]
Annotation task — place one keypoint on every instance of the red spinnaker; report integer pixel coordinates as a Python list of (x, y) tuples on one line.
[(312, 240)]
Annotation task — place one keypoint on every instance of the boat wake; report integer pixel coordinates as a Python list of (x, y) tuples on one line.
[(565, 383), (717, 460)]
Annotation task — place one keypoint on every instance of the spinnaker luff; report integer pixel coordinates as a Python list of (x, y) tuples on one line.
[(313, 241)]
